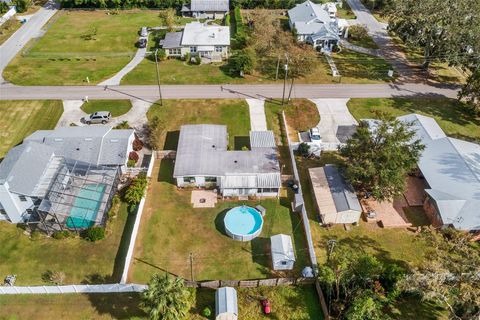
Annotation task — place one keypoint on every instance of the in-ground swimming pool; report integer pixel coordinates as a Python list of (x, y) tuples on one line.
[(85, 207), (243, 223)]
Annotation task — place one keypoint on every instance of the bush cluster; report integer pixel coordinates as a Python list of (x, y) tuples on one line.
[(137, 144), (94, 234), (59, 235), (133, 156)]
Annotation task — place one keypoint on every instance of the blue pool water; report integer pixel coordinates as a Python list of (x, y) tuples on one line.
[(243, 220), (86, 205)]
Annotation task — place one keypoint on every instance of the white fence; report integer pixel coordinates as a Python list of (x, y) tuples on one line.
[(10, 13), (136, 226), (74, 288)]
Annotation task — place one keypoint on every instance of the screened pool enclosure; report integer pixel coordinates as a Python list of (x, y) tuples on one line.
[(78, 197)]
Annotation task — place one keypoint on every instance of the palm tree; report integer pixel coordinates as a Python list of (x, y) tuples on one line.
[(166, 298)]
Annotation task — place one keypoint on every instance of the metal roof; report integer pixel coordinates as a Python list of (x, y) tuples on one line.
[(200, 34), (202, 151), (172, 40), (262, 139), (282, 248), (226, 306), (343, 194), (210, 5), (308, 11), (312, 19), (451, 168)]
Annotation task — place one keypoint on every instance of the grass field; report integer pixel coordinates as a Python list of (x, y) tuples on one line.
[(9, 28), (451, 115), (80, 260), (19, 119), (80, 44), (356, 67), (365, 42), (174, 113), (115, 107), (294, 303), (172, 229)]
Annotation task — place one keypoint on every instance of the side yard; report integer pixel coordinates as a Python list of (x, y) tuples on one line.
[(19, 119)]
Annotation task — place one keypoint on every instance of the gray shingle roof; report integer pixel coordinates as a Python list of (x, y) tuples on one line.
[(310, 18), (308, 11), (202, 151), (172, 40), (343, 194), (210, 5), (451, 168)]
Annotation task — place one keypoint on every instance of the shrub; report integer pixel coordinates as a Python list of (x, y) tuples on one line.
[(227, 20), (156, 127), (137, 144), (207, 312), (133, 156), (122, 125), (243, 61), (198, 60), (239, 27), (35, 235), (162, 55), (59, 235), (55, 277), (357, 32), (136, 189), (22, 5), (187, 57), (131, 163), (94, 234), (304, 149)]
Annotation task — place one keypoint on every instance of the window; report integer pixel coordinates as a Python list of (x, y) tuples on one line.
[(22, 198), (218, 49), (29, 211), (3, 212), (176, 51), (189, 179), (284, 263), (193, 49), (210, 179)]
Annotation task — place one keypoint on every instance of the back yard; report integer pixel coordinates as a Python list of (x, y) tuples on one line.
[(296, 303), (19, 119)]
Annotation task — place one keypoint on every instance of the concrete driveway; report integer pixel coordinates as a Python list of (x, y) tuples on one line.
[(336, 123), (258, 121), (115, 80), (30, 29)]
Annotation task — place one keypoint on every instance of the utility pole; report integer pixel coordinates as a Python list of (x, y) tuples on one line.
[(285, 79), (191, 267), (158, 78), (290, 92)]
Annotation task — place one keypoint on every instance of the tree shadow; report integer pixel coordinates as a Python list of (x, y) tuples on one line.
[(219, 222), (171, 140), (241, 142), (117, 305), (408, 306), (204, 297)]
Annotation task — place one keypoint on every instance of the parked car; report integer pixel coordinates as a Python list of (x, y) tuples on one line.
[(314, 135), (143, 32), (142, 43), (98, 117)]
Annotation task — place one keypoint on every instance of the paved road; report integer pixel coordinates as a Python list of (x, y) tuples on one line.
[(31, 29), (388, 49), (150, 93)]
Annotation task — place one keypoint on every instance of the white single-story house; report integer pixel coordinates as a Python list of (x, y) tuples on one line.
[(203, 160), (335, 199), (451, 168), (226, 306), (314, 24), (206, 41), (206, 9), (281, 248), (53, 176)]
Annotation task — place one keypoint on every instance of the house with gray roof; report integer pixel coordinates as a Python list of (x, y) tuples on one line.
[(313, 24), (206, 9), (65, 177), (335, 199), (451, 168), (199, 39), (204, 160)]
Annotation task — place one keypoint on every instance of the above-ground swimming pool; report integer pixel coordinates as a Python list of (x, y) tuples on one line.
[(85, 207), (243, 223)]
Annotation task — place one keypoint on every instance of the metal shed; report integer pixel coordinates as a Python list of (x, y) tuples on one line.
[(226, 307), (283, 256)]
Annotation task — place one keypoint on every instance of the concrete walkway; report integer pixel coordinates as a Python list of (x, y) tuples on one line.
[(336, 122), (258, 121), (29, 30), (115, 80), (136, 116)]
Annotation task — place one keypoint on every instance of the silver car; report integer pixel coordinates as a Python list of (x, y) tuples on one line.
[(143, 32), (98, 117)]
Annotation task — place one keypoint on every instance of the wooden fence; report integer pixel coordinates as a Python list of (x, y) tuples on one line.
[(272, 282)]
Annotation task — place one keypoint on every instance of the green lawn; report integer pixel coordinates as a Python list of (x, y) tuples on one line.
[(365, 42), (19, 119), (115, 107), (172, 229), (9, 28), (80, 260), (357, 67), (289, 302), (451, 115), (65, 55), (174, 113)]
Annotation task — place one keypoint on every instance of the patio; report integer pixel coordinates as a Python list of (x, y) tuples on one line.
[(203, 199), (388, 214)]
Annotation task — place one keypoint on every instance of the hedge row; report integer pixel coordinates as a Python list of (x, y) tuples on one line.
[(239, 26)]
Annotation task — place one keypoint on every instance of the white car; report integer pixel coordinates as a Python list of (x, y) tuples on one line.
[(314, 135)]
